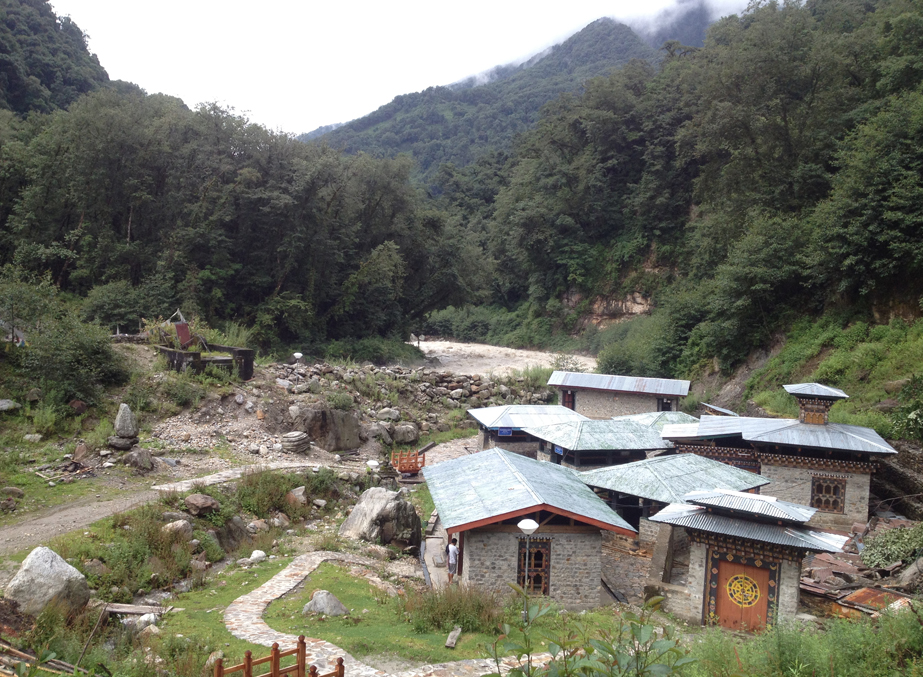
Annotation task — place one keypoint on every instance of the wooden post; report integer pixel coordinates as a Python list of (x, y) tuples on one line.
[(274, 660), (313, 671), (302, 655), (339, 671), (248, 664), (219, 667)]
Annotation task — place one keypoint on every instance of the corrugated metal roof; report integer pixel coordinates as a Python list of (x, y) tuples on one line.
[(696, 517), (658, 419), (496, 482), (625, 384), (592, 435), (720, 410), (785, 431), (518, 416), (754, 504), (815, 390), (667, 479)]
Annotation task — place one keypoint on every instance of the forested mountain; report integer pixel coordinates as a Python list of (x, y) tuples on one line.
[(774, 174), (459, 123), (44, 62)]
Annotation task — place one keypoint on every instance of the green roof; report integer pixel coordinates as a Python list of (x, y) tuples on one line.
[(658, 419), (599, 435), (666, 479), (491, 484)]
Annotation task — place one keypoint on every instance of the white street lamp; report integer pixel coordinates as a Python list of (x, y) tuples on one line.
[(528, 527)]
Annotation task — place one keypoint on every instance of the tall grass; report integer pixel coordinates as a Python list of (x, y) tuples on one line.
[(471, 608)]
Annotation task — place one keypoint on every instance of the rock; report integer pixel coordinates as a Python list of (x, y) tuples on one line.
[(283, 383), (185, 437), (388, 414), (198, 565), (201, 504), (122, 443), (15, 492), (331, 429), (94, 567), (239, 398), (232, 534), (457, 394), (43, 578), (34, 395), (912, 577), (296, 442), (297, 496), (147, 633), (107, 464), (378, 431), (173, 516), (373, 464), (257, 556), (81, 453), (406, 433), (140, 459), (254, 449), (213, 658), (319, 503), (381, 516), (294, 411), (323, 602), (257, 526), (379, 552), (244, 562), (145, 621), (8, 504), (181, 529), (277, 447), (126, 424), (263, 450), (35, 438), (9, 405), (281, 521)]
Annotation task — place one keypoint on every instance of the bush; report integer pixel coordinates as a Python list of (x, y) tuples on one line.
[(116, 305), (440, 609), (375, 349), (338, 400), (894, 545)]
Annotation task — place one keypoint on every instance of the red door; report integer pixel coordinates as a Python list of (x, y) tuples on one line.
[(742, 596)]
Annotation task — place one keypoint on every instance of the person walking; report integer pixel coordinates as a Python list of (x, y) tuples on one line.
[(452, 552)]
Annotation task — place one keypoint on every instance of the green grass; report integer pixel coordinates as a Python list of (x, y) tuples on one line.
[(380, 631), (863, 360)]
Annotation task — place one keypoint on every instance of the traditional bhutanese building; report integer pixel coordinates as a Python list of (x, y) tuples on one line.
[(745, 556), (809, 460), (504, 426), (584, 445), (602, 396), (482, 497)]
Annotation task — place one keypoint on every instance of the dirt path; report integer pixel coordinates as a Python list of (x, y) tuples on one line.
[(477, 358)]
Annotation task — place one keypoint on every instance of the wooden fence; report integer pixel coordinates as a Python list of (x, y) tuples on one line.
[(275, 659)]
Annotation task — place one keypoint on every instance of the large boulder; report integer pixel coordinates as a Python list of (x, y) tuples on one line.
[(180, 528), (45, 578), (324, 602), (232, 534), (330, 429), (382, 516), (406, 433), (201, 504), (139, 459), (126, 424)]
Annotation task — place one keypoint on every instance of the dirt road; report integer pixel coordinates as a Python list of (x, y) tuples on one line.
[(477, 358)]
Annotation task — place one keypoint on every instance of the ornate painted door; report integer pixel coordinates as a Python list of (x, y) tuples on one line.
[(742, 596)]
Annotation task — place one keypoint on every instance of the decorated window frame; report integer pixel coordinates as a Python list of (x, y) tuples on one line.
[(538, 579), (828, 493)]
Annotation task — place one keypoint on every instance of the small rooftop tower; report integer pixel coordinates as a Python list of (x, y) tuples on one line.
[(814, 401)]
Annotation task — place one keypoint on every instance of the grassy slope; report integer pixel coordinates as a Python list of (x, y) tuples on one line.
[(868, 362)]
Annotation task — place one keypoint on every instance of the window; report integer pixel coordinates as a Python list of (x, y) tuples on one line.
[(537, 580), (828, 493)]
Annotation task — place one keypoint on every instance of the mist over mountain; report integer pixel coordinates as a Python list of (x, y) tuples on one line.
[(460, 122)]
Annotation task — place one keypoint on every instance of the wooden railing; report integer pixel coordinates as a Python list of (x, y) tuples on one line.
[(274, 659)]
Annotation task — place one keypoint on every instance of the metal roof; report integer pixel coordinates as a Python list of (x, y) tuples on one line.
[(594, 435), (625, 384), (493, 483), (784, 431), (667, 479), (721, 410), (696, 517), (754, 504), (518, 416), (658, 419), (815, 390)]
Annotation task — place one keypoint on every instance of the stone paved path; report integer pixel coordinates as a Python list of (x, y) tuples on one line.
[(244, 620)]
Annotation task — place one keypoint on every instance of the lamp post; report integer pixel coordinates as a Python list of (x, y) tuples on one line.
[(528, 527)]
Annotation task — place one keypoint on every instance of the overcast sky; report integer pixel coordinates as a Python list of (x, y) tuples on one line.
[(296, 65)]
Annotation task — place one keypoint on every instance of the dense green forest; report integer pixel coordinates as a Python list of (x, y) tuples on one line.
[(773, 174)]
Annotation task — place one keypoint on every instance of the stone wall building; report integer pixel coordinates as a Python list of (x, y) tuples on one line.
[(602, 396), (745, 555), (482, 497), (809, 460), (584, 445)]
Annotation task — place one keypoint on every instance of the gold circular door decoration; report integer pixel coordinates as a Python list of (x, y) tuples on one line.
[(743, 590)]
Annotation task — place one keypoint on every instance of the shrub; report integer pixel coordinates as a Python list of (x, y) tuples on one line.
[(375, 349), (473, 609), (263, 492), (116, 305), (182, 389), (340, 400), (894, 545)]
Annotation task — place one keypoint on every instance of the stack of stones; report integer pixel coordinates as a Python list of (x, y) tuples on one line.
[(126, 429), (296, 443)]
